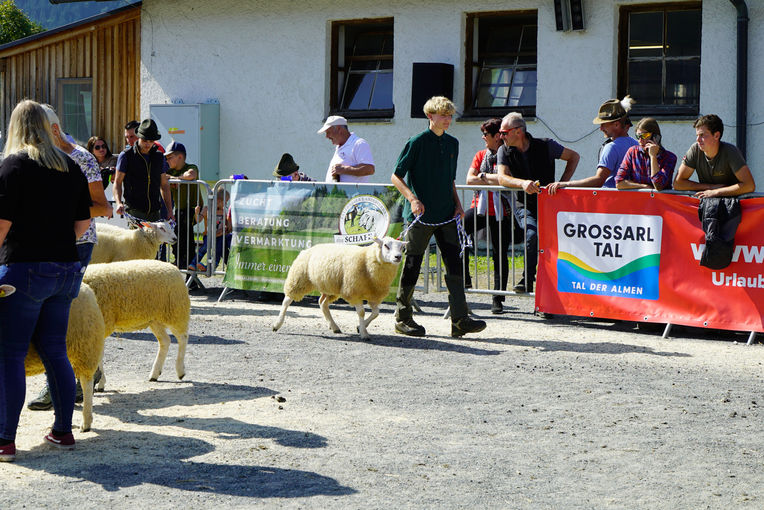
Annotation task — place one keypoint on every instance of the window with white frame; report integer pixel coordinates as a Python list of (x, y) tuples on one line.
[(501, 56), (659, 57), (362, 68)]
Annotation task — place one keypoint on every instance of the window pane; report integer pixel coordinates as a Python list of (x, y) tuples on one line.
[(367, 44), (494, 76), (492, 97), (646, 34), (499, 38), (528, 43), (358, 91), (683, 33), (523, 89), (76, 110), (683, 82), (645, 80), (383, 92)]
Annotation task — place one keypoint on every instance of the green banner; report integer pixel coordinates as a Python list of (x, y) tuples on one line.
[(274, 220)]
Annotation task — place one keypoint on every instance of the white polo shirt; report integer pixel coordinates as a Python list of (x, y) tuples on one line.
[(355, 151)]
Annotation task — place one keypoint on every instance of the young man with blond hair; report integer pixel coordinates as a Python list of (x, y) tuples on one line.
[(428, 164)]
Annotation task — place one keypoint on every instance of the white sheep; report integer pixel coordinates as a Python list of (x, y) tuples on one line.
[(353, 273), (84, 347), (138, 294), (115, 243)]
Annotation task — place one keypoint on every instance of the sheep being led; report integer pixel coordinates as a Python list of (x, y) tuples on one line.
[(353, 273), (115, 243), (138, 294), (84, 348)]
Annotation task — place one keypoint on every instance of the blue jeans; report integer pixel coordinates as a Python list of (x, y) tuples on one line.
[(85, 253), (222, 247), (38, 312), (527, 220)]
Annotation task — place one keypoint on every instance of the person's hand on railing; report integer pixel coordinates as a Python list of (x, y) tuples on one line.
[(531, 187)]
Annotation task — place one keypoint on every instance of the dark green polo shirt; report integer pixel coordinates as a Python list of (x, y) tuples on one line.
[(428, 164)]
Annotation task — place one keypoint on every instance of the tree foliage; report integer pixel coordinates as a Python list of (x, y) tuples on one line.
[(14, 23)]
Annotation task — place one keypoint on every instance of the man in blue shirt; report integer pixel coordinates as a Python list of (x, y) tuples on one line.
[(614, 123)]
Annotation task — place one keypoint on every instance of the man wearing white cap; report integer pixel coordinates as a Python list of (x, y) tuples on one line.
[(352, 161)]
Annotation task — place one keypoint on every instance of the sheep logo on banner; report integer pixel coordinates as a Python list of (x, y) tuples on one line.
[(362, 219)]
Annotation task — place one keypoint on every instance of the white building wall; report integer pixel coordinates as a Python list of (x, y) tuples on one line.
[(267, 63)]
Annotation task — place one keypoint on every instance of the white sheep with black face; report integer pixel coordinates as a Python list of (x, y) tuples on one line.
[(353, 273), (115, 243)]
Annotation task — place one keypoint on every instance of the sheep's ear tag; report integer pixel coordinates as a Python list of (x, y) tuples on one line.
[(146, 224), (377, 240)]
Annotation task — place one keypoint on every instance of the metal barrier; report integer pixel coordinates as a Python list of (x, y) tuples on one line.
[(197, 248), (187, 195), (482, 281)]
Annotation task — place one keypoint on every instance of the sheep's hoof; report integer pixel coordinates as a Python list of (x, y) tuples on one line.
[(181, 376), (83, 429), (153, 379)]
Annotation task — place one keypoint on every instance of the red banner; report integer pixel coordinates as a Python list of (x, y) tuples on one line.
[(636, 256)]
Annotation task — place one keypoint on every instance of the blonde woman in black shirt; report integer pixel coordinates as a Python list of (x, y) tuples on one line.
[(44, 208)]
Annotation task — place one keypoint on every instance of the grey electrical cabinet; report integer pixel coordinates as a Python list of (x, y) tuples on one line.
[(197, 127)]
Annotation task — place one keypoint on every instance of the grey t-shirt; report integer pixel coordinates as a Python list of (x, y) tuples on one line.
[(718, 170)]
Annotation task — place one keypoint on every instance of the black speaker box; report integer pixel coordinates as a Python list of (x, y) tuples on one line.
[(429, 79)]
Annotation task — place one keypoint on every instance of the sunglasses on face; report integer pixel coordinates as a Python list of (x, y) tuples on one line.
[(505, 133), (644, 136), (99, 147)]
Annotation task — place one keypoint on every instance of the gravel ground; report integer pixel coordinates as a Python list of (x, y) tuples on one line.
[(531, 413)]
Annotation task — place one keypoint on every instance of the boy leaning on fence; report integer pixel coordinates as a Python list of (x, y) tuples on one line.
[(428, 164)]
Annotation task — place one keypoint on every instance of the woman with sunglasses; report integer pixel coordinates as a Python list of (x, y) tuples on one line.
[(39, 258), (646, 165), (489, 208), (107, 161)]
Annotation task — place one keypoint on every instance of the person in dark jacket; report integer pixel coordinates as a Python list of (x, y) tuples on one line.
[(528, 163), (139, 183)]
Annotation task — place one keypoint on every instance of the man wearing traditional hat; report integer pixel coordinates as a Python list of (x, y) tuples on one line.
[(185, 198), (352, 161), (139, 183), (614, 123), (288, 170), (526, 162)]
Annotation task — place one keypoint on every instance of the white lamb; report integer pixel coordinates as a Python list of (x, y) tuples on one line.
[(138, 294), (84, 347), (353, 273), (115, 243)]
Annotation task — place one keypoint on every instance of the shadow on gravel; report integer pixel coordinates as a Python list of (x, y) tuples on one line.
[(221, 310), (589, 348), (192, 339), (156, 459), (407, 342), (136, 407)]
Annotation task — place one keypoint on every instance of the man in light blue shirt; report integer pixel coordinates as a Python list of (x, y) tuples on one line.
[(613, 121)]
